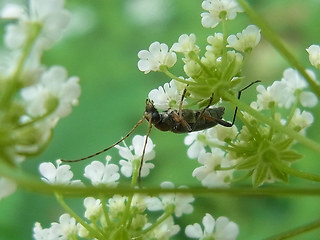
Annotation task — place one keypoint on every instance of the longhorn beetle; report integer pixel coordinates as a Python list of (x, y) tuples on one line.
[(176, 121)]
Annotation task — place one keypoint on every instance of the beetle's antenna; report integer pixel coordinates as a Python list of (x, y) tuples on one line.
[(144, 149), (106, 149)]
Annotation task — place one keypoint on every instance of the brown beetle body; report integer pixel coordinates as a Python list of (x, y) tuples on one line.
[(189, 121)]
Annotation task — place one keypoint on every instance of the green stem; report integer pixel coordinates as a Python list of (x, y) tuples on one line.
[(105, 211), (13, 81), (278, 44), (134, 181), (224, 49), (160, 220), (296, 231), (274, 124), (296, 173), (33, 184), (170, 75), (91, 230)]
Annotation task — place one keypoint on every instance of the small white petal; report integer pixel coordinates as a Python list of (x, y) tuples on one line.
[(308, 99), (314, 55), (208, 223), (194, 231)]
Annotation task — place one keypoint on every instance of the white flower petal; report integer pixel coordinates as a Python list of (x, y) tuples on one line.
[(194, 231)]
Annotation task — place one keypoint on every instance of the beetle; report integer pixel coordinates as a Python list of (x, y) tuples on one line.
[(176, 121)]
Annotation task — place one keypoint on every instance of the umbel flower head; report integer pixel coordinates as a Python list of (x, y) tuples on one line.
[(33, 97), (262, 150), (217, 71)]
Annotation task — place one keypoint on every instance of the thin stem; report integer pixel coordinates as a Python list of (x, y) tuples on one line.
[(13, 82), (160, 220), (169, 74), (105, 211), (33, 184), (297, 173), (296, 231), (278, 44), (274, 124), (91, 230)]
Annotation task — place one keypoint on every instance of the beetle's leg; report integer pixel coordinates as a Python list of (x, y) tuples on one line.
[(228, 124), (179, 119), (144, 149), (178, 116), (239, 95), (181, 102), (202, 112), (218, 121)]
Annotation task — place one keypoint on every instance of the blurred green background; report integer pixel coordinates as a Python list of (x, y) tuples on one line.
[(101, 48)]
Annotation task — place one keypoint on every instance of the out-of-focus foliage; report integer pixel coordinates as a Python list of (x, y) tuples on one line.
[(101, 48)]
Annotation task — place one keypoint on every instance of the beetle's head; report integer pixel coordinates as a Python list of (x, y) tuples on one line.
[(151, 113)]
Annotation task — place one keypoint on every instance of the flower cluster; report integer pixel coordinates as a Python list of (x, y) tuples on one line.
[(33, 97), (217, 70), (262, 150), (121, 215)]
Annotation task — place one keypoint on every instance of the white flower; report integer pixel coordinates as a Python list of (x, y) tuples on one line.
[(278, 94), (186, 44), (56, 175), (137, 148), (42, 234), (165, 230), (116, 205), (93, 208), (157, 56), (49, 14), (216, 44), (301, 120), (219, 134), (218, 9), (102, 174), (296, 83), (65, 229), (7, 187), (222, 229), (180, 202), (55, 94), (12, 11), (168, 96), (314, 55), (208, 175), (245, 41), (196, 146)]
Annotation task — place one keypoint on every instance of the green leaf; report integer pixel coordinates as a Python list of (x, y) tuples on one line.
[(290, 155), (285, 144), (260, 175), (280, 175), (247, 163)]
